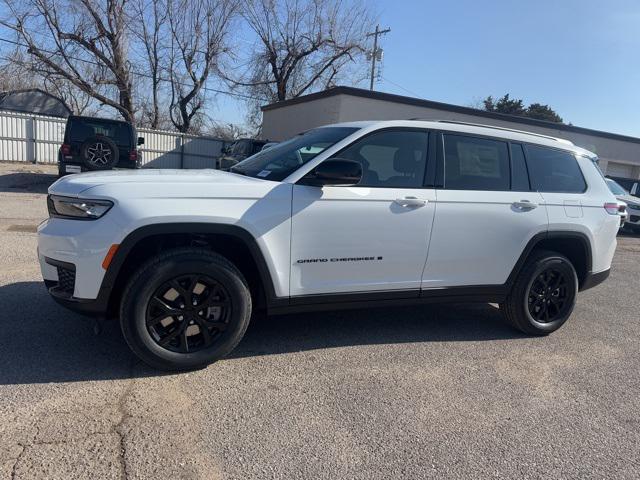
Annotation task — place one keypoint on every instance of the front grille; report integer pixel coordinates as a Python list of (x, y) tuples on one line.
[(635, 218), (66, 280)]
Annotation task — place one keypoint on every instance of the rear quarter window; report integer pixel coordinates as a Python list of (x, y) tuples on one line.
[(552, 170)]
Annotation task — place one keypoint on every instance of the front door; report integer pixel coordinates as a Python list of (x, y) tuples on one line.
[(369, 237)]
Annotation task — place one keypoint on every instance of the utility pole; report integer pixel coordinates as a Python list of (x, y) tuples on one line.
[(374, 53)]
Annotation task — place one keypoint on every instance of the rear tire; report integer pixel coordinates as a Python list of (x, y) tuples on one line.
[(544, 294), (185, 309)]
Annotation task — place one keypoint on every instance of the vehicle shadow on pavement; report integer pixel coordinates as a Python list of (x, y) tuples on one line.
[(26, 182), (423, 323), (41, 342)]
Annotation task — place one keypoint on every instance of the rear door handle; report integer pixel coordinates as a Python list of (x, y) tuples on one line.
[(410, 202), (524, 205)]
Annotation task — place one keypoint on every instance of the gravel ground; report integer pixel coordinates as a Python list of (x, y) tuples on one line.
[(421, 392)]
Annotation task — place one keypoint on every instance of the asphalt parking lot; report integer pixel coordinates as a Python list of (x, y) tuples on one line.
[(443, 391)]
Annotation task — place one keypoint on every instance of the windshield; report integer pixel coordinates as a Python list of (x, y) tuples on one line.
[(279, 161), (615, 188)]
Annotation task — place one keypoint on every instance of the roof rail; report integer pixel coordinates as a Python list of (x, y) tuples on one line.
[(549, 137)]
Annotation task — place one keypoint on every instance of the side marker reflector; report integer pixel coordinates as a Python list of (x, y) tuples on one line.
[(110, 254)]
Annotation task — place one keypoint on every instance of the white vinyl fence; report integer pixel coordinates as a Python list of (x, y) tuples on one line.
[(36, 139)]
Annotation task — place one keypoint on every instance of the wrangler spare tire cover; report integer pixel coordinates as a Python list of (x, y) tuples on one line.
[(99, 153)]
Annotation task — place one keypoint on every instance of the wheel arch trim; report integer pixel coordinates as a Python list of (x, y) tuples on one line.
[(141, 233), (550, 235)]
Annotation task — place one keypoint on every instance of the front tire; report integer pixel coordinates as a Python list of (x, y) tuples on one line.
[(544, 294), (185, 309)]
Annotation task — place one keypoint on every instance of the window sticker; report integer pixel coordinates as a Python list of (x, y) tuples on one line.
[(479, 160), (264, 173)]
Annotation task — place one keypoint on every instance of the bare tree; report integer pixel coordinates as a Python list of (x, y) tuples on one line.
[(65, 36), (149, 26), (199, 31), (19, 72), (227, 131), (303, 45), (12, 73), (80, 103)]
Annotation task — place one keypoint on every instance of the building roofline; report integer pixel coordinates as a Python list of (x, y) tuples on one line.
[(6, 93), (391, 97)]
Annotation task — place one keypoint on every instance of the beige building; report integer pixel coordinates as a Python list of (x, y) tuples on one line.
[(619, 154)]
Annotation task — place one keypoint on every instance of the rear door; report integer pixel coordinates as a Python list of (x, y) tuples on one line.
[(485, 213)]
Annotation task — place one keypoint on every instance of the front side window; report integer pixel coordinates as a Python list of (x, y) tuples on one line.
[(475, 164), (554, 170), (281, 160), (391, 158)]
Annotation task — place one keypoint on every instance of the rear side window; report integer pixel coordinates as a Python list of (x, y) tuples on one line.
[(553, 170), (475, 164), (81, 130)]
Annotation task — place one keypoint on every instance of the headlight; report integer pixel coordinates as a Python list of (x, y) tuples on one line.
[(78, 208), (635, 206)]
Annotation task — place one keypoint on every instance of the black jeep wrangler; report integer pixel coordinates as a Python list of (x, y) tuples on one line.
[(98, 144)]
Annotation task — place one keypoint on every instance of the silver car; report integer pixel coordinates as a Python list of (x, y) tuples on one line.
[(632, 213)]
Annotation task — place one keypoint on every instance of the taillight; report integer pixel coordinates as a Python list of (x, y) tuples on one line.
[(65, 149), (611, 208), (622, 208), (133, 155)]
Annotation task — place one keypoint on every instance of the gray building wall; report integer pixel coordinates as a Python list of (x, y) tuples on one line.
[(281, 123), (618, 157)]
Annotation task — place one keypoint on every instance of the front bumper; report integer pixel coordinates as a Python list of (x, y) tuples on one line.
[(633, 218), (70, 253), (82, 246), (61, 290)]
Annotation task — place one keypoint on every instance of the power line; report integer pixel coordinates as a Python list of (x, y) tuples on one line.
[(402, 88)]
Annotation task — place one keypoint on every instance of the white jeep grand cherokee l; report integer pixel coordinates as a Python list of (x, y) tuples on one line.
[(348, 215)]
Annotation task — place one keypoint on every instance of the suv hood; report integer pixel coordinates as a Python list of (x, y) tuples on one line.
[(148, 181)]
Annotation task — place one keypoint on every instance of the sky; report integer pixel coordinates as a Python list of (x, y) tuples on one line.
[(581, 57)]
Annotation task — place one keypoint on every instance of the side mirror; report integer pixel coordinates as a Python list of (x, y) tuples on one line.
[(334, 171), (140, 140)]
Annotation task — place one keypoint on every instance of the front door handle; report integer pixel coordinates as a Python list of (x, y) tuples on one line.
[(524, 205), (410, 202)]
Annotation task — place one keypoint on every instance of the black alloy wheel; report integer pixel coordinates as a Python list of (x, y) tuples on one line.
[(543, 294), (185, 308), (188, 313), (548, 296)]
